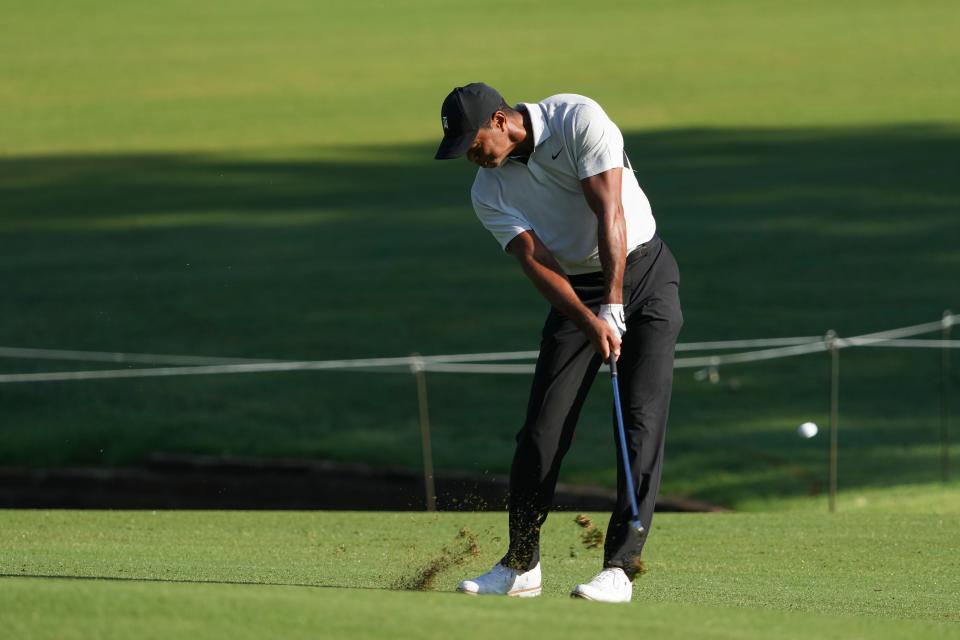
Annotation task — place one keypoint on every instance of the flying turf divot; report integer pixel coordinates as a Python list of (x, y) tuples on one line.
[(465, 546), (592, 538), (592, 535)]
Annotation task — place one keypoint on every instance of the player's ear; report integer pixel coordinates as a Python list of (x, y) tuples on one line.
[(499, 121)]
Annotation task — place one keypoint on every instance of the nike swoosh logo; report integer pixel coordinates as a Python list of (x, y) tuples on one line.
[(554, 156)]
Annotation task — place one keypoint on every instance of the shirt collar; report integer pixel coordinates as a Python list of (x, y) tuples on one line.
[(541, 132)]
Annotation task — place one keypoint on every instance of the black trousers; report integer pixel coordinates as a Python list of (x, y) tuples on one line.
[(564, 373)]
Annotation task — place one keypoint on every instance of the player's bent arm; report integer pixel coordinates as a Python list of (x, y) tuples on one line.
[(539, 265), (603, 194)]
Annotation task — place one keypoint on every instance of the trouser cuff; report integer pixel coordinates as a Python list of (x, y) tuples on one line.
[(520, 561), (633, 567)]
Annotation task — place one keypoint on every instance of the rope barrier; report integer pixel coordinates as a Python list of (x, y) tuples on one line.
[(451, 363), (744, 344), (913, 344), (151, 358), (108, 356)]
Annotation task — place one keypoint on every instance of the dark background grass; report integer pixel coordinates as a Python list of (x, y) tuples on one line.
[(375, 252)]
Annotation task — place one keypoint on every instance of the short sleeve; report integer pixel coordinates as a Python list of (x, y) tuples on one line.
[(504, 226), (597, 142)]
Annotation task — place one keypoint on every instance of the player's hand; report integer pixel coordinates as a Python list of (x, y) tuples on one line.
[(604, 338), (612, 314)]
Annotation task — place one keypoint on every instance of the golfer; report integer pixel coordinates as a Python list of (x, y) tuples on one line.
[(555, 188)]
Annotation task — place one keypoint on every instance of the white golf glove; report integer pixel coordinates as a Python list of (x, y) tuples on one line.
[(612, 314)]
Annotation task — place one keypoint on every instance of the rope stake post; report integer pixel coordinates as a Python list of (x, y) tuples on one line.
[(945, 397), (417, 367), (830, 341)]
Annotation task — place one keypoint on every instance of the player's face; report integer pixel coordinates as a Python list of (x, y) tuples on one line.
[(492, 145)]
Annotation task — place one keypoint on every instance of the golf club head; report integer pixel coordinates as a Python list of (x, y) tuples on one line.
[(637, 527)]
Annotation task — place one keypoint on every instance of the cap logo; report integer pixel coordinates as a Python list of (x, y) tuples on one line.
[(446, 125)]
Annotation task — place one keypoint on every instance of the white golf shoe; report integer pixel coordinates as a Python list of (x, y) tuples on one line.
[(610, 585), (503, 581)]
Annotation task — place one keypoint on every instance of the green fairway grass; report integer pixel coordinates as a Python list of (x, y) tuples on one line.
[(255, 180), (150, 610), (76, 574), (247, 74)]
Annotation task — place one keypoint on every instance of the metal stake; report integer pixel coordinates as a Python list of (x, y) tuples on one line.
[(831, 340), (945, 397), (416, 367)]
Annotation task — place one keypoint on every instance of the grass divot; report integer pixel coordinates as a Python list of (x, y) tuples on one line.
[(465, 546), (592, 538), (592, 535)]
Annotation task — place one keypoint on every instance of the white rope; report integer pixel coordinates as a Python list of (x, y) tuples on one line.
[(108, 356), (744, 344), (386, 365), (708, 361), (158, 372), (456, 363), (479, 368), (868, 339), (484, 357), (907, 343), (149, 358), (902, 332), (750, 356), (439, 363)]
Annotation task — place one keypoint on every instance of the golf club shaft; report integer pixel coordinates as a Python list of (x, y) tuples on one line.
[(621, 432)]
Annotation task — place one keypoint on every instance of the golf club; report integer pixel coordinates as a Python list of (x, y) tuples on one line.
[(635, 523)]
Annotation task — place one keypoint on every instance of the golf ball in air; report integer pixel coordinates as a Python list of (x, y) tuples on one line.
[(807, 430)]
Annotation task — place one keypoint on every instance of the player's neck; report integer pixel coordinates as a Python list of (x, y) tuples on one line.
[(522, 133)]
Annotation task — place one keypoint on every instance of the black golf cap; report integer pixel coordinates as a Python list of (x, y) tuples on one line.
[(464, 111)]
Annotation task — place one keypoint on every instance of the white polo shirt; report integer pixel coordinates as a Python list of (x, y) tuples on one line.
[(573, 139)]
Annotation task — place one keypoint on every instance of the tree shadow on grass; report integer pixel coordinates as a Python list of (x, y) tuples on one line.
[(368, 252), (839, 219)]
